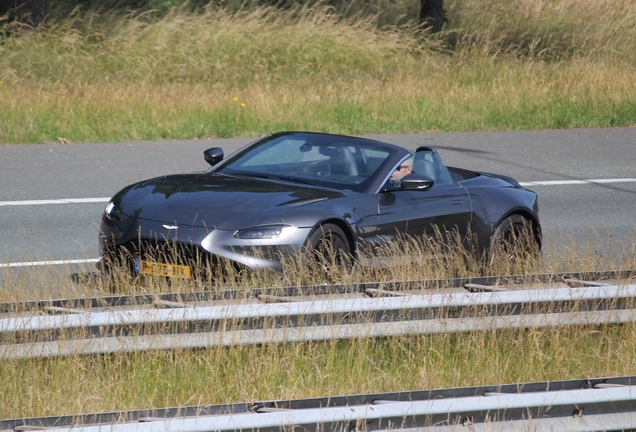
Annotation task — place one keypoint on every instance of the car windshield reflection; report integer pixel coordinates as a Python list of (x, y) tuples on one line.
[(328, 161)]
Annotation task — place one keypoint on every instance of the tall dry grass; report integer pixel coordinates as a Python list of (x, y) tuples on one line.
[(100, 383), (122, 381), (544, 29), (261, 45), (108, 76), (407, 259)]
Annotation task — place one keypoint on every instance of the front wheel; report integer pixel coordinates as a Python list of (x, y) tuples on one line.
[(513, 241), (328, 248)]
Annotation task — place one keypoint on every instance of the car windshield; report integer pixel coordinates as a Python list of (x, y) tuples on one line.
[(322, 160)]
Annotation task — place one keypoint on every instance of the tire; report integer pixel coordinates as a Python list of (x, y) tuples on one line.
[(513, 240), (327, 246)]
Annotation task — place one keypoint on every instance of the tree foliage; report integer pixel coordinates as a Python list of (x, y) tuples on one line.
[(30, 12)]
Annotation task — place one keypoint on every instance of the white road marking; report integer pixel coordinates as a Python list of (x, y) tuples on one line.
[(624, 180), (100, 200), (530, 183), (54, 201), (553, 183), (577, 182), (46, 263)]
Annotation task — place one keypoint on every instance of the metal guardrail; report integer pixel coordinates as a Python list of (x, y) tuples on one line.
[(312, 290), (574, 405), (377, 312)]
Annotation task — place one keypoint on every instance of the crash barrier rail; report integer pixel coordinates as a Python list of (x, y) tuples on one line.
[(268, 318), (573, 405), (311, 290)]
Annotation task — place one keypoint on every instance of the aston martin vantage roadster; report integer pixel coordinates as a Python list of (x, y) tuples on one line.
[(292, 193)]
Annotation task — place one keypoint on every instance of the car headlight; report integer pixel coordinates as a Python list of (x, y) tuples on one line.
[(263, 232), (112, 212)]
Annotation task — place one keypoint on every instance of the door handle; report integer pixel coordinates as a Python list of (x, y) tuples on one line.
[(456, 202)]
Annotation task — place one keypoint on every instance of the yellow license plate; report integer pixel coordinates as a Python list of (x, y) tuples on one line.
[(166, 270)]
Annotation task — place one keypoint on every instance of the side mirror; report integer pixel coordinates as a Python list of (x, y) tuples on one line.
[(415, 181), (213, 155)]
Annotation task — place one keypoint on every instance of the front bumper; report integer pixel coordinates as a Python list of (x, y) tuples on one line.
[(256, 254), (197, 246)]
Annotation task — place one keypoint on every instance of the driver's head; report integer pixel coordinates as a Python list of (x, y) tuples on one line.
[(405, 168)]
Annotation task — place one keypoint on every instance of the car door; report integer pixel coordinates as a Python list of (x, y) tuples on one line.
[(444, 208), (416, 212)]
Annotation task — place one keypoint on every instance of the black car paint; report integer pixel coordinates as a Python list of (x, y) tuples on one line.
[(201, 202)]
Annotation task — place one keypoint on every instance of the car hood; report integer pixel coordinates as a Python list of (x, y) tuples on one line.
[(218, 201)]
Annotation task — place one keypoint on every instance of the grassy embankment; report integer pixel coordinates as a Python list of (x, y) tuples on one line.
[(83, 384), (109, 77), (239, 374)]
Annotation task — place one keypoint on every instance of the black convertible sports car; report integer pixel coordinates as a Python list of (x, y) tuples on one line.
[(293, 192)]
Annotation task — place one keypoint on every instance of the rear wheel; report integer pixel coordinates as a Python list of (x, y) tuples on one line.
[(328, 247), (513, 241)]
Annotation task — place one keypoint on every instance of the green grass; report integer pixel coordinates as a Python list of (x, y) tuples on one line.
[(314, 369), (94, 121), (222, 73)]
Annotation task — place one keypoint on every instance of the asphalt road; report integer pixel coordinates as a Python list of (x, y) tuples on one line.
[(589, 213)]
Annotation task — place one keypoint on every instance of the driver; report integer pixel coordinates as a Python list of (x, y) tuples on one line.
[(405, 168)]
